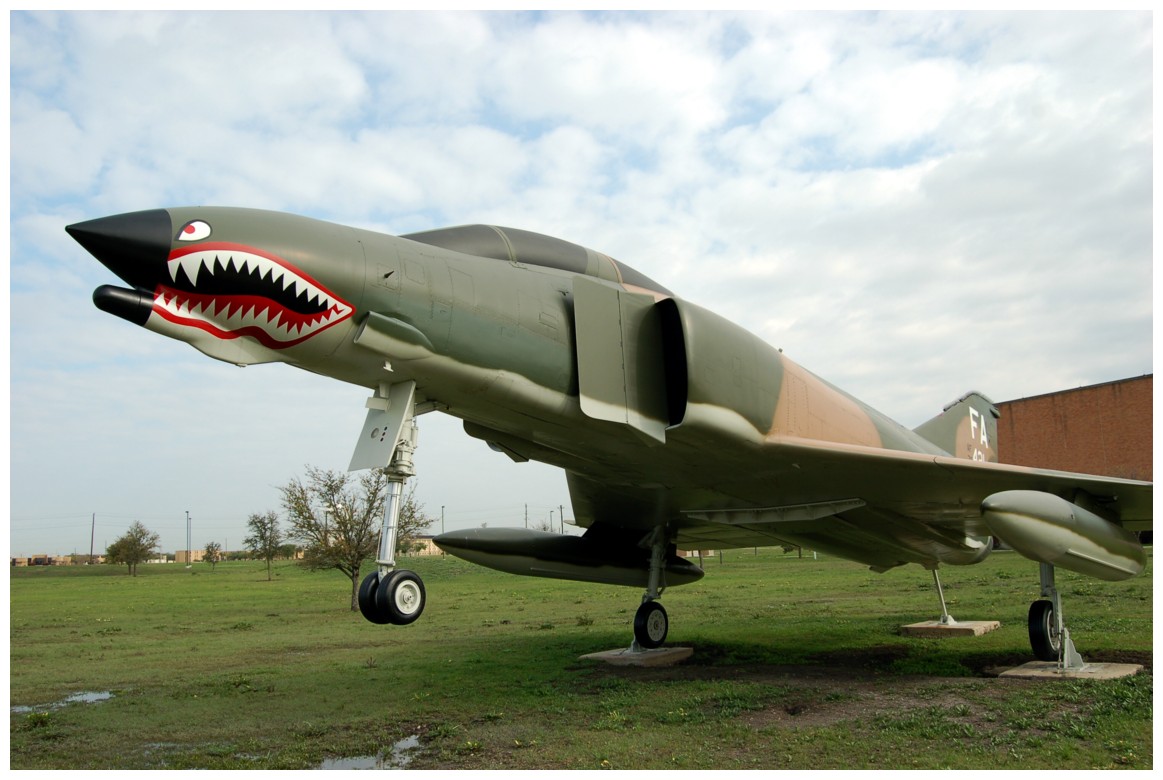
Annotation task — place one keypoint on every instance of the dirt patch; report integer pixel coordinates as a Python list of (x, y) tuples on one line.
[(819, 702), (859, 685)]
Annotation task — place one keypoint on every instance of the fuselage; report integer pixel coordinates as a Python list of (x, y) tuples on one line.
[(485, 321)]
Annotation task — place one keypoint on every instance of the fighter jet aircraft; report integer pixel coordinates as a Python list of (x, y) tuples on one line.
[(675, 427)]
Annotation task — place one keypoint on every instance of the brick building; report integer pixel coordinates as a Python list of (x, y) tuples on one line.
[(1101, 429)]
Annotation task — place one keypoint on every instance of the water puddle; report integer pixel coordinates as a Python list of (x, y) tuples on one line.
[(85, 697), (398, 757)]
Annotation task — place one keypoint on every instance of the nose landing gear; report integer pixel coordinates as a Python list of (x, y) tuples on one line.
[(388, 595)]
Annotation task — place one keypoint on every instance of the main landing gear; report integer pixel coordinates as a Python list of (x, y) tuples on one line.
[(388, 595), (650, 621), (1049, 637)]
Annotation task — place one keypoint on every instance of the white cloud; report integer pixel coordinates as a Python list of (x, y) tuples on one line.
[(638, 81), (37, 126)]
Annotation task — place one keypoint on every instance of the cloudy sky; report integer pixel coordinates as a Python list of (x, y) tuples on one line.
[(910, 205)]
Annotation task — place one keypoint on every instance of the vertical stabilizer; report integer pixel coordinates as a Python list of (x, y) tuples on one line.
[(966, 429)]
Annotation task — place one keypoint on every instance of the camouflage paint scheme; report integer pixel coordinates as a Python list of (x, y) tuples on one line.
[(663, 414)]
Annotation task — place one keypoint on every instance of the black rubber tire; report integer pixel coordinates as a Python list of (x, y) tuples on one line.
[(650, 625), (1044, 640), (367, 600), (400, 597)]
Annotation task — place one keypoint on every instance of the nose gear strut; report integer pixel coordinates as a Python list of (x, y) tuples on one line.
[(390, 435)]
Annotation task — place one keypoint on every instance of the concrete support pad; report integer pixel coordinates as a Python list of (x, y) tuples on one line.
[(936, 629), (1048, 670), (662, 656)]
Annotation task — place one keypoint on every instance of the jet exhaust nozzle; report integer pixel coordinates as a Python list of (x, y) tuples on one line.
[(132, 305), (1049, 529)]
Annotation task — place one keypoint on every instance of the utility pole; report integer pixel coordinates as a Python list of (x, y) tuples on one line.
[(526, 517), (561, 515), (92, 536), (442, 525), (189, 550)]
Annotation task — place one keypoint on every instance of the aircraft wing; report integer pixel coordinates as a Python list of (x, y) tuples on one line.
[(886, 507)]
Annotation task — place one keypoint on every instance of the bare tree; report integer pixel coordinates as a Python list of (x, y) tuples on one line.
[(337, 522), (265, 537), (212, 554), (137, 545)]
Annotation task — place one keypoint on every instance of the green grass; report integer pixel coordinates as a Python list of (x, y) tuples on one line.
[(798, 664)]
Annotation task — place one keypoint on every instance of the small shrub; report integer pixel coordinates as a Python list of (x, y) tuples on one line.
[(38, 720)]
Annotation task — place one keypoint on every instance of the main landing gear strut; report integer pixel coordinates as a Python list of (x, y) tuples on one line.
[(388, 595), (650, 621), (1049, 637)]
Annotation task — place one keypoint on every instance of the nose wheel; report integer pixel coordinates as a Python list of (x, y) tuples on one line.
[(367, 600), (396, 598)]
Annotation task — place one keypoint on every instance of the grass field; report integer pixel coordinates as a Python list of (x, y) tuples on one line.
[(797, 664)]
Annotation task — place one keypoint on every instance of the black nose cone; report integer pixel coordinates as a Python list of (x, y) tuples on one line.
[(134, 246)]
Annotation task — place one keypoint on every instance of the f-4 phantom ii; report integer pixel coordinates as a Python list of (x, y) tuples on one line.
[(676, 428)]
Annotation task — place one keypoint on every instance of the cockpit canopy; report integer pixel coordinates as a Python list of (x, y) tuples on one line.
[(523, 246)]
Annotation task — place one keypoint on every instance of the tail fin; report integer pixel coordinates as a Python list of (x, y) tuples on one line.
[(967, 428)]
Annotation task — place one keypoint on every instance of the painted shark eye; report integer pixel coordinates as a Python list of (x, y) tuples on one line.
[(194, 231)]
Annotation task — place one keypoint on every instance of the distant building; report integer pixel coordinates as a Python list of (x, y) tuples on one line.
[(423, 545), (1103, 429), (43, 560)]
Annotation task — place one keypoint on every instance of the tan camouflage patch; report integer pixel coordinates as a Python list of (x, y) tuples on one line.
[(808, 408)]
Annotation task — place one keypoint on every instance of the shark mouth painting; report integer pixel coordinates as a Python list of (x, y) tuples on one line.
[(232, 290)]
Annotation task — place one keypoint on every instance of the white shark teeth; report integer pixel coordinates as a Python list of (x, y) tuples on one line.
[(211, 260), (233, 314)]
